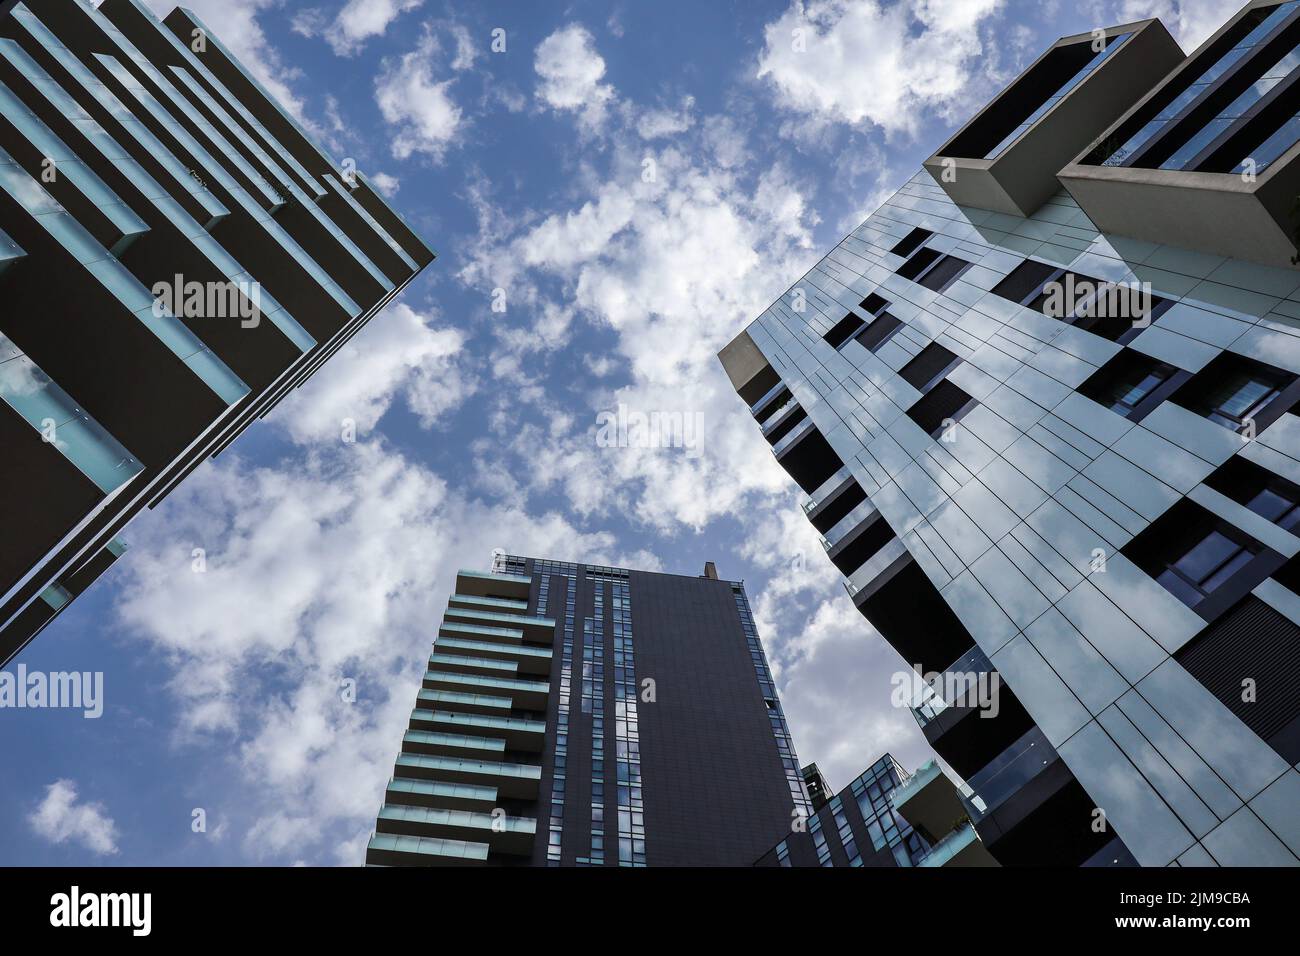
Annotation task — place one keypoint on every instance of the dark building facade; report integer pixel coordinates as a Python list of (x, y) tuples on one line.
[(576, 715), (1043, 404), (176, 256)]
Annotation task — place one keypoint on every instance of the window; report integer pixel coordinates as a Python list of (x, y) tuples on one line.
[(1132, 384), (1116, 311), (931, 364), (843, 330), (944, 403), (1197, 556), (1238, 393), (932, 269), (872, 337), (873, 304), (1268, 495), (911, 242)]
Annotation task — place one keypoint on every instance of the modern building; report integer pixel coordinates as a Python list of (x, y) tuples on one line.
[(576, 715), (1042, 403), (886, 817), (176, 256)]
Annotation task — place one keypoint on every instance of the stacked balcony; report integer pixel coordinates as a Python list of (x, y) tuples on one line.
[(938, 811), (471, 756)]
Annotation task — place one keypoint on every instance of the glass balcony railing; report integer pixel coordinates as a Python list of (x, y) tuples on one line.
[(430, 738), (503, 604), (874, 566), (384, 236), (464, 660), (482, 630), (438, 789), (494, 683), (431, 847), (460, 819), (1011, 770), (481, 721), (943, 852), (40, 402), (827, 488), (451, 698), (521, 619), (515, 650), (487, 768), (170, 210)]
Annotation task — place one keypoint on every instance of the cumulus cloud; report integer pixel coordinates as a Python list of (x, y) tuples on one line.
[(362, 20), (401, 355), (1190, 21), (61, 817), (299, 646), (416, 104), (656, 123), (866, 62), (569, 71)]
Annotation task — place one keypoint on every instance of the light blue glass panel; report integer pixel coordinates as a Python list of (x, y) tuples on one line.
[(40, 402)]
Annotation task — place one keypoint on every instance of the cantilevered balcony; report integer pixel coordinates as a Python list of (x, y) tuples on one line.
[(518, 733), (483, 584), (908, 611), (465, 664), (807, 456), (828, 505), (526, 694), (1006, 158), (487, 603), (514, 780), (502, 834), (539, 630), (436, 793), (961, 847), (969, 731), (929, 801), (858, 538), (439, 744), (396, 849), (525, 658), (486, 704)]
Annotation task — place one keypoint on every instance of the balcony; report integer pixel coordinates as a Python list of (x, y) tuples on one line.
[(524, 658), (525, 694), (502, 834), (539, 630), (485, 704), (513, 780), (1224, 127), (453, 745), (434, 793), (486, 603), (483, 584), (862, 535), (929, 801), (807, 456), (519, 733), (894, 594), (395, 849), (1006, 158), (961, 847)]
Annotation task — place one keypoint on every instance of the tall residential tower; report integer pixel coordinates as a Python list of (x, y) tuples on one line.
[(581, 715), (1043, 405), (176, 256)]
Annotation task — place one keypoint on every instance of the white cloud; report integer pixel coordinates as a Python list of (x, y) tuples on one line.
[(569, 70), (326, 568), (402, 355), (420, 107), (656, 123), (62, 818), (386, 184), (861, 61), (362, 20), (1190, 21)]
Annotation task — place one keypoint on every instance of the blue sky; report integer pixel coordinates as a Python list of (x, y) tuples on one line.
[(634, 182)]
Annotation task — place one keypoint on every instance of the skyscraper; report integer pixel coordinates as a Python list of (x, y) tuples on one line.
[(1042, 403), (176, 256), (581, 715)]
